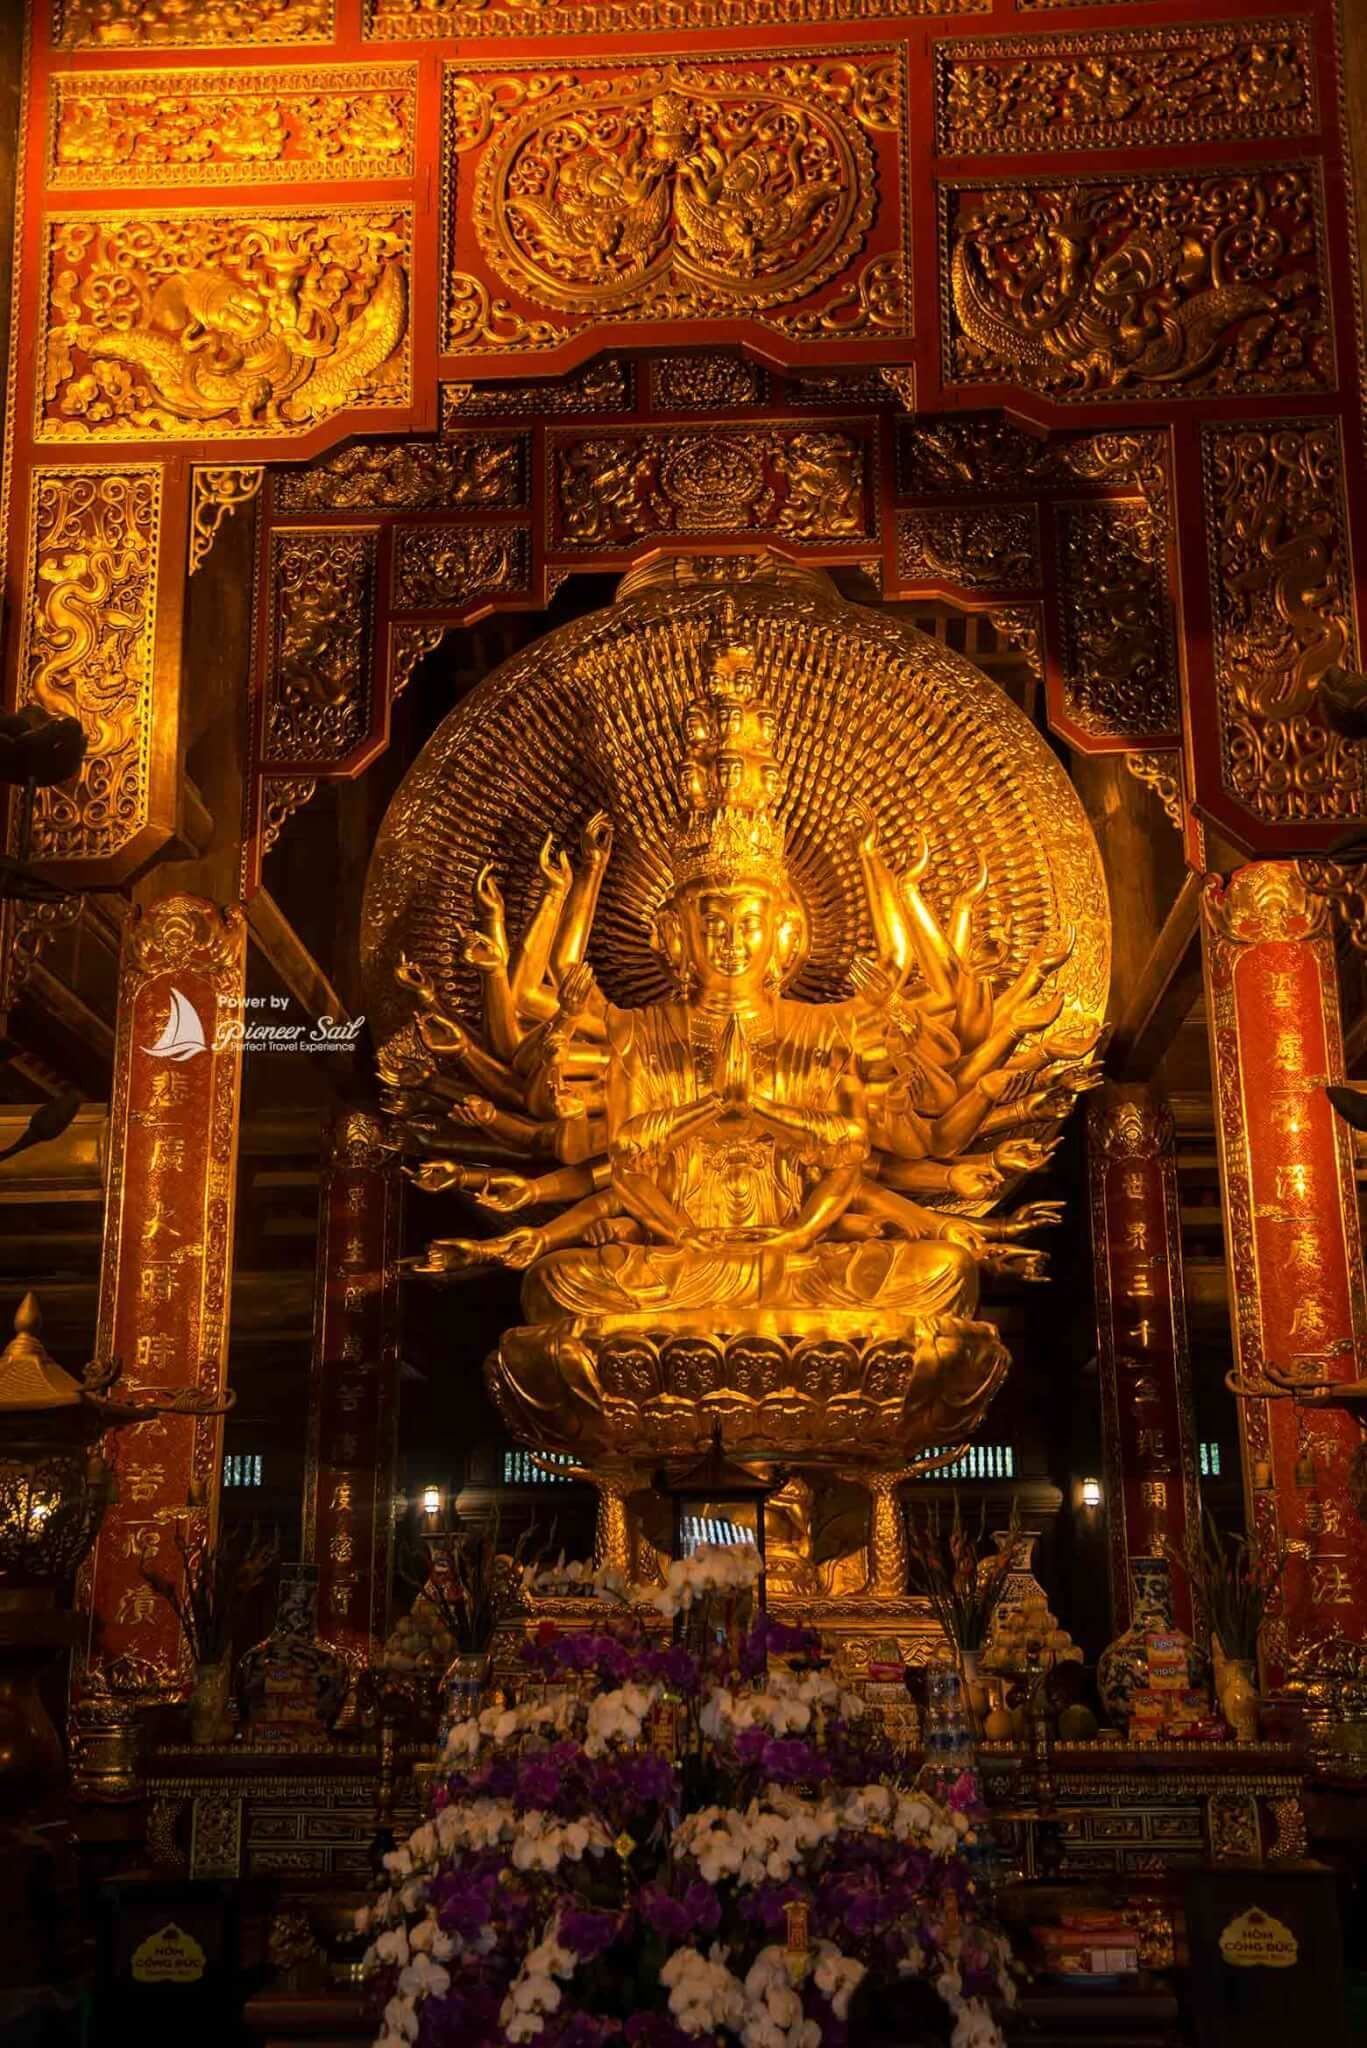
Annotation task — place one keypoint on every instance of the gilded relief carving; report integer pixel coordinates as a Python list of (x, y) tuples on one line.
[(710, 382), (1282, 611), (202, 323), (282, 796), (218, 489), (321, 595), (984, 451), (188, 24), (1179, 285), (611, 490), (604, 385), (448, 566), (419, 20), (469, 469), (1162, 773), (683, 191), (87, 652), (976, 547), (1208, 83), (1119, 647), (232, 127)]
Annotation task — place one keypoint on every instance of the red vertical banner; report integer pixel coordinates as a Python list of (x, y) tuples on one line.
[(1147, 1420), (353, 1388), (164, 1277), (1292, 1238)]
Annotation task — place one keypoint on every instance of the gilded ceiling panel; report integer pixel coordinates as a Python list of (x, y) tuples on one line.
[(413, 20), (188, 24)]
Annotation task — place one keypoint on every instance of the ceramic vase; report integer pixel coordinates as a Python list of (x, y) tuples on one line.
[(1123, 1666), (292, 1685), (209, 1701), (1238, 1694)]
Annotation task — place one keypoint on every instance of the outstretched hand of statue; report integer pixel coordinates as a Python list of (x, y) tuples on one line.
[(555, 866), (595, 841)]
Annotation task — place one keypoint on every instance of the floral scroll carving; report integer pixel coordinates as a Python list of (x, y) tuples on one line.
[(1119, 644), (1208, 83), (199, 323), (88, 648), (321, 606), (1163, 286), (1280, 592), (238, 127), (611, 490)]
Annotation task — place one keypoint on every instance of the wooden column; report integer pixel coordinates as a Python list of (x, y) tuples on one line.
[(1147, 1422), (1292, 1239), (164, 1286), (353, 1388)]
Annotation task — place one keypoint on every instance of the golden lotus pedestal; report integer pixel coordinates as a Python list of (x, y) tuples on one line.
[(843, 1397)]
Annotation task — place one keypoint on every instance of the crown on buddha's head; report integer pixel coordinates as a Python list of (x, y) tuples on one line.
[(727, 830)]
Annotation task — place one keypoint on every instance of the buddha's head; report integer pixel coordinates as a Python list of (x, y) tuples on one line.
[(733, 925)]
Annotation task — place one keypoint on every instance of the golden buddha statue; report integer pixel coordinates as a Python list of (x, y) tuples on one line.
[(750, 1208)]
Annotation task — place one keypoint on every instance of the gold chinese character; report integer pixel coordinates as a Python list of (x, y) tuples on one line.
[(355, 1199), (1311, 1318), (158, 1227), (1323, 1518), (1303, 1251), (168, 1090), (1144, 1390), (1282, 993), (339, 1596), (1139, 1285), (348, 1399), (1289, 1051), (142, 1542), (153, 1350), (1152, 1443), (1136, 1234), (1143, 1333), (1330, 1585), (354, 1255), (341, 1547), (352, 1348), (136, 1604), (1154, 1493), (156, 1285), (1132, 1185), (1293, 1182), (353, 1299), (341, 1495), (168, 1154), (143, 1483)]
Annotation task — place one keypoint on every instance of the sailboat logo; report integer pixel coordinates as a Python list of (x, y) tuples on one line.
[(183, 1034)]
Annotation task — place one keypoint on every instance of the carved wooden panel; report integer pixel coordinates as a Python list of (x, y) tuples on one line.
[(411, 20), (693, 193), (1178, 285), (233, 127), (211, 324)]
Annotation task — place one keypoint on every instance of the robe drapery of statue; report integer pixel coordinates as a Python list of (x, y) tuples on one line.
[(732, 1206)]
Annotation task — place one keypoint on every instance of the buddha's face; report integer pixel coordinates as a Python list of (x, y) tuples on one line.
[(730, 934)]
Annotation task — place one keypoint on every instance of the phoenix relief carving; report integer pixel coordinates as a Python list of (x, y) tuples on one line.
[(263, 325)]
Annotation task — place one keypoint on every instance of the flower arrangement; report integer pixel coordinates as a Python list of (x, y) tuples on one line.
[(666, 1841), (1237, 1582), (467, 1580), (964, 1589)]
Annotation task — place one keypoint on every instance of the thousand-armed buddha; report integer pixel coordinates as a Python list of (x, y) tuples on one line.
[(745, 1206)]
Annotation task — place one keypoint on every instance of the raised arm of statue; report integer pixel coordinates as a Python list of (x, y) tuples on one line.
[(531, 960), (572, 935), (486, 949), (929, 944), (891, 937)]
